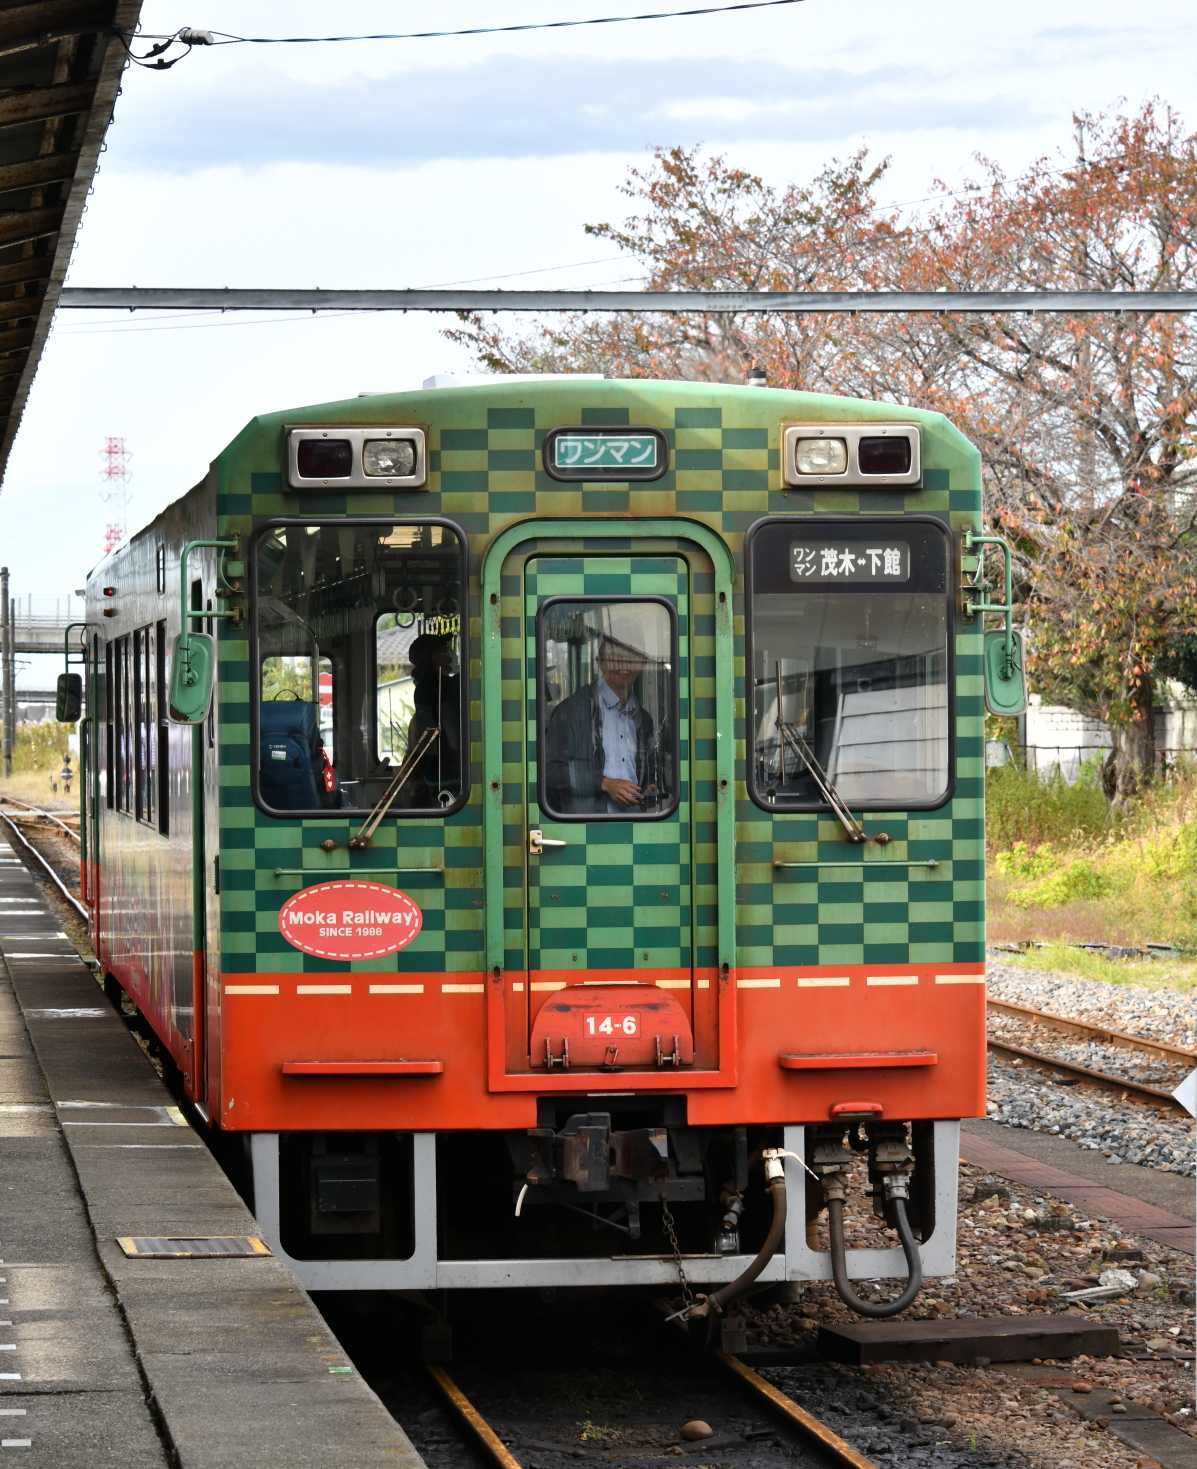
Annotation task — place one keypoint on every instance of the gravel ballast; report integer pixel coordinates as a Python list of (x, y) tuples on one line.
[(1164, 1015), (1122, 1131)]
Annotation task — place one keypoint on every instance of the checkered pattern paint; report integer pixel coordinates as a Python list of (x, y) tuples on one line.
[(485, 473), (619, 894)]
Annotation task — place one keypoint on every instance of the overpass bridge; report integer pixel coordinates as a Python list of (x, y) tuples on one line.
[(41, 632), (28, 624)]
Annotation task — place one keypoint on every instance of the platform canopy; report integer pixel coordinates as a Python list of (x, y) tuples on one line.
[(60, 69)]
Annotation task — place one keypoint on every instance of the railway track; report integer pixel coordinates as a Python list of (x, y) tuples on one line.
[(27, 811), (1124, 1085), (796, 1431), (41, 862)]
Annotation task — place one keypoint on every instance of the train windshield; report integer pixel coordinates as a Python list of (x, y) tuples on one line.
[(358, 640), (849, 629)]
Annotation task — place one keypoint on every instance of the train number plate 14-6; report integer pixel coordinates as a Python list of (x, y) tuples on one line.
[(612, 1025)]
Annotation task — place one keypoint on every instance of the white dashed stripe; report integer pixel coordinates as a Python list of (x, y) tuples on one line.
[(892, 979), (704, 984), (12, 1412), (251, 989), (16, 1443), (396, 989), (824, 982), (517, 987), (10, 1377), (464, 989), (758, 984), (541, 985), (959, 979), (323, 989), (673, 984)]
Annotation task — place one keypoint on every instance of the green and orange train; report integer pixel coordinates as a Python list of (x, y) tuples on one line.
[(544, 818)]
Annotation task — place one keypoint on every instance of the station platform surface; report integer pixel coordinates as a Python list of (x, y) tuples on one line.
[(1143, 1201), (110, 1360)]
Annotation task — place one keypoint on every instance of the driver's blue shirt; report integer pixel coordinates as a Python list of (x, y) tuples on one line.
[(618, 731)]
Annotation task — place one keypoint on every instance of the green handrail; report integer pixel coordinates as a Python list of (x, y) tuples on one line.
[(973, 538)]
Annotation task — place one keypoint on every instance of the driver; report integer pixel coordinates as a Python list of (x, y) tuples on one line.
[(599, 741)]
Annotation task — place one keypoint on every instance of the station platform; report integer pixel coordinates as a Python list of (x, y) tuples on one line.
[(111, 1359)]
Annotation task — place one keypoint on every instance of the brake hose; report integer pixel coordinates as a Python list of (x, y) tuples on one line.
[(718, 1299), (839, 1262)]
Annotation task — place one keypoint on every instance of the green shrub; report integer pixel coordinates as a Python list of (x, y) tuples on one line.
[(40, 746), (1024, 807), (1078, 880), (1026, 862)]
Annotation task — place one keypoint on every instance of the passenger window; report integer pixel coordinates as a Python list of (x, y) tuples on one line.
[(608, 708), (359, 633), (849, 626)]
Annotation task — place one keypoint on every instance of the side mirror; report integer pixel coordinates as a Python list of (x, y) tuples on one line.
[(192, 671), (1005, 680), (68, 701)]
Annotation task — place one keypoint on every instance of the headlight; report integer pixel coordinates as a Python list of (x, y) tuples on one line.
[(390, 458), (821, 456), (324, 458), (376, 457)]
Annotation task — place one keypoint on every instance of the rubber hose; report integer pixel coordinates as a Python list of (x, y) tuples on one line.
[(839, 1263), (777, 1228)]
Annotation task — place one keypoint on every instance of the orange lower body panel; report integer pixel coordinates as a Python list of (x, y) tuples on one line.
[(307, 1052)]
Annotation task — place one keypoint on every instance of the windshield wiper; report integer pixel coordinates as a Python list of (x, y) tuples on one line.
[(790, 735), (411, 760)]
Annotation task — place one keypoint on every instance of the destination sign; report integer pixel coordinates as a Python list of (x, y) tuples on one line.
[(849, 561), (605, 454)]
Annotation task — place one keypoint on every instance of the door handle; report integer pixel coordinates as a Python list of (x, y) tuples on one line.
[(537, 842)]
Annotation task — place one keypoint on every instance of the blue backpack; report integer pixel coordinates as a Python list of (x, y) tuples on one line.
[(289, 744)]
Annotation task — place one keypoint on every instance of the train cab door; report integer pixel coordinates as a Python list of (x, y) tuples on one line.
[(611, 953)]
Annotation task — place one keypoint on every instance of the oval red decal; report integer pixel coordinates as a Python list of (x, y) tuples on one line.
[(349, 920)]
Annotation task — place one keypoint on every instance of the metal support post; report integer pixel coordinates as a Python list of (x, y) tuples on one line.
[(7, 660)]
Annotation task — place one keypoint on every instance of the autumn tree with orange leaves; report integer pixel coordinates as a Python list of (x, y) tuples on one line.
[(1086, 424)]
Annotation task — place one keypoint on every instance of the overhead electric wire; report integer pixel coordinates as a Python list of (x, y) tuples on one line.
[(227, 38)]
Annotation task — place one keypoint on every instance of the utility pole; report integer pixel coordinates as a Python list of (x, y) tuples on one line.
[(7, 660)]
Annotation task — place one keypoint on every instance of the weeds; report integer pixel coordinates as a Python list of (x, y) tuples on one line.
[(1022, 807), (1173, 974), (1063, 869)]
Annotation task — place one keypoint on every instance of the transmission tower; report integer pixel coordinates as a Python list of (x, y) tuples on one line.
[(114, 471)]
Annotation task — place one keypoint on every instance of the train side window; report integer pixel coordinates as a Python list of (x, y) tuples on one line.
[(358, 637), (128, 731), (147, 724), (140, 752), (109, 730), (849, 641), (163, 729), (120, 697)]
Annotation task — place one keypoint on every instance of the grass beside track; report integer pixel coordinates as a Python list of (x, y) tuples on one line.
[(1063, 868), (1179, 975)]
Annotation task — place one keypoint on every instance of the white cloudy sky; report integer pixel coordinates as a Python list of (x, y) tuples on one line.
[(440, 162)]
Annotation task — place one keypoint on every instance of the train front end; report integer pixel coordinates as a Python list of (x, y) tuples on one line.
[(600, 822)]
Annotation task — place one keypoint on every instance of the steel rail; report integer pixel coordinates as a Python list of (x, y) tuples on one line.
[(1086, 1073), (133, 298), (39, 813), (1085, 1028), (42, 862), (806, 1423), (474, 1420), (810, 1427)]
